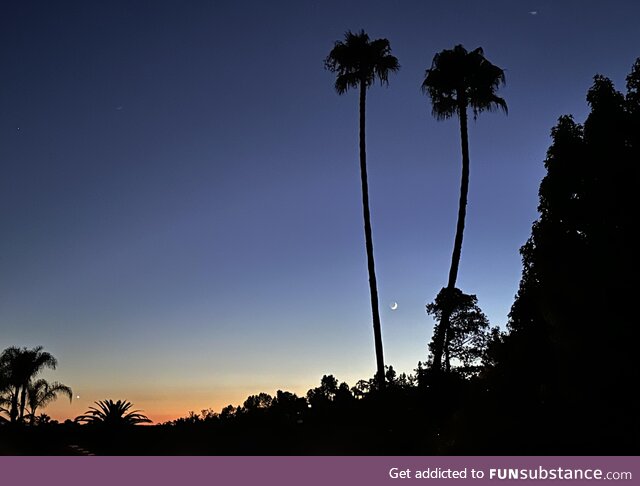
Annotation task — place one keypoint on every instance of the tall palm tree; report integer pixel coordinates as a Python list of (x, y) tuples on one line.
[(112, 413), (20, 366), (456, 81), (358, 62), (41, 393)]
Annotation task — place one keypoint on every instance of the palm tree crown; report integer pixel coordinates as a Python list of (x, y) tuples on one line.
[(359, 60), (41, 393), (113, 413), (19, 366), (24, 363), (458, 79)]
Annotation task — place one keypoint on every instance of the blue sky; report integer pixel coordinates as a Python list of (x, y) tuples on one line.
[(180, 197)]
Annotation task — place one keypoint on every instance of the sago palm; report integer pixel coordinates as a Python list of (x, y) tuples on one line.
[(358, 62), (112, 413), (459, 80)]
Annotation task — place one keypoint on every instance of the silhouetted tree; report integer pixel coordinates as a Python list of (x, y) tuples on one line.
[(322, 395), (361, 389), (191, 419), (404, 381), (254, 403), (43, 419), (41, 393), (358, 62), (456, 81), (288, 405), (20, 366), (5, 394), (113, 414), (229, 412), (343, 396), (570, 354), (469, 331)]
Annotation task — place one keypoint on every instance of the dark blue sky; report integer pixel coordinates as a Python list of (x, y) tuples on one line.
[(180, 219)]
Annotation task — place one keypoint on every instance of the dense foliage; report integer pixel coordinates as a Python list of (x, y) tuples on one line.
[(569, 360)]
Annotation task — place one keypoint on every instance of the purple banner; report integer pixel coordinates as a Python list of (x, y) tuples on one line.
[(317, 471)]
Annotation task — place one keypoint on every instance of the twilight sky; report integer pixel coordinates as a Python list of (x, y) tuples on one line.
[(180, 212)]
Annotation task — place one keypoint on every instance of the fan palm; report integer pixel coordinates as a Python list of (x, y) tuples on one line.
[(358, 62), (41, 393), (456, 81), (112, 413), (20, 365)]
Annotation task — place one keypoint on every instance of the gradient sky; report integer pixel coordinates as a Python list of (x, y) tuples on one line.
[(180, 212)]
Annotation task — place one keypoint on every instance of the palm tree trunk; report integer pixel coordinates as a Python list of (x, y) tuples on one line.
[(457, 244), (373, 286), (13, 413), (23, 401)]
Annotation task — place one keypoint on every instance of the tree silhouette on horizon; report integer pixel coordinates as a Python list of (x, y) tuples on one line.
[(114, 414), (40, 393), (457, 80), (19, 366), (358, 62)]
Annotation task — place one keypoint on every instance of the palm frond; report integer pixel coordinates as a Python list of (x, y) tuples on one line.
[(41, 393), (22, 364), (358, 61), (458, 78)]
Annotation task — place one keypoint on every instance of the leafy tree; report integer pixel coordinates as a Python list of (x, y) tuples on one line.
[(343, 396), (289, 405), (392, 381), (456, 81), (191, 419), (570, 353), (208, 415), (468, 334), (358, 62), (261, 401), (361, 389), (113, 414), (229, 412), (405, 381), (322, 395)]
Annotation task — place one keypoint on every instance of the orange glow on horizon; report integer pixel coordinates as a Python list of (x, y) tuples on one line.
[(162, 407)]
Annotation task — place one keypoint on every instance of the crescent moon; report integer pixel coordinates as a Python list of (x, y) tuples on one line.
[(394, 306)]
